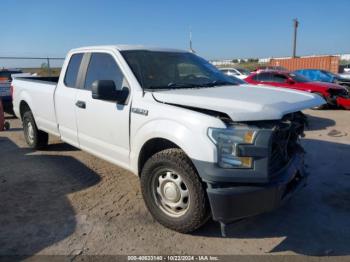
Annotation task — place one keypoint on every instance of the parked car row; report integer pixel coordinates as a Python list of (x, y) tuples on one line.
[(332, 87), (324, 76), (334, 94)]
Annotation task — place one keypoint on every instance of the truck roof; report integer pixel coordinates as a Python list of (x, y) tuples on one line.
[(128, 48)]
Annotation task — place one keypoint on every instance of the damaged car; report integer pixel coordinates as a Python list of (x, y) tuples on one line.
[(202, 146), (335, 95)]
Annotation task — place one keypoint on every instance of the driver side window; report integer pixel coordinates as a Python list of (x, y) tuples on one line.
[(102, 66)]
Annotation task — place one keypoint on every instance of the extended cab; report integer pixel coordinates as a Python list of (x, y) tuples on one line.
[(202, 146)]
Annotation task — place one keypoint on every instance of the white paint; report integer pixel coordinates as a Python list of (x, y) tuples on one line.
[(115, 134)]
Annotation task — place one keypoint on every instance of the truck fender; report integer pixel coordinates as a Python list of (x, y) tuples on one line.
[(176, 133), (24, 97)]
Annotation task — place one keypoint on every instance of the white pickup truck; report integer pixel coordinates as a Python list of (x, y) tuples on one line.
[(202, 145)]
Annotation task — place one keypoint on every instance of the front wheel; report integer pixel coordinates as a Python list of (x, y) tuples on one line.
[(173, 192)]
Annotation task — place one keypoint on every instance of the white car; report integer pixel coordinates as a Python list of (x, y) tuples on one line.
[(241, 73), (202, 146), (345, 75)]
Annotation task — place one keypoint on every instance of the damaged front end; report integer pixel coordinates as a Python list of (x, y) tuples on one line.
[(339, 97), (285, 140), (275, 169)]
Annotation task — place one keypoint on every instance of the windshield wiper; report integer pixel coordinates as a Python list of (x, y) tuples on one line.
[(189, 85), (218, 83), (182, 85), (173, 86)]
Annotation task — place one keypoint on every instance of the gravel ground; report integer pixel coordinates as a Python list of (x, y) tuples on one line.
[(67, 202)]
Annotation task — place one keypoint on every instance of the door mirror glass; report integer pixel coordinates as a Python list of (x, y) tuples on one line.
[(106, 90)]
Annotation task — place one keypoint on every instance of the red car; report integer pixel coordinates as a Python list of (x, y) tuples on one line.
[(334, 94)]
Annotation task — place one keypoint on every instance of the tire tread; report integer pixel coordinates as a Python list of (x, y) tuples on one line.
[(41, 138), (180, 159)]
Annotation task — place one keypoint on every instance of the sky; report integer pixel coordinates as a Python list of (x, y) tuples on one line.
[(221, 29)]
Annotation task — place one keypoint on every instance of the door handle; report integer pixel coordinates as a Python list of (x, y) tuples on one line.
[(81, 104)]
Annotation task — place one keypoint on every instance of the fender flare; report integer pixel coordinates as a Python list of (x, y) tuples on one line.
[(180, 135), (25, 97)]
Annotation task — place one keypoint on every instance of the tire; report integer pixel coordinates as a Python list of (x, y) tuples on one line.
[(161, 175), (35, 138), (321, 106), (7, 126)]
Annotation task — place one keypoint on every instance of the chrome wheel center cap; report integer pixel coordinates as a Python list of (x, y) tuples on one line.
[(171, 192)]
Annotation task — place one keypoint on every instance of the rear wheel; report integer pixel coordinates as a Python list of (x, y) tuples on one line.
[(35, 138), (173, 192)]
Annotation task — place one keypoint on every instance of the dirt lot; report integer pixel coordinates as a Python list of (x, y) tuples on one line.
[(65, 201)]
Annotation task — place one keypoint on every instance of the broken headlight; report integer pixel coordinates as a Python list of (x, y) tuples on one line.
[(227, 141)]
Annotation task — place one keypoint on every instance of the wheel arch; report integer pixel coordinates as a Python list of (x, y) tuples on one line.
[(165, 133), (23, 107), (151, 147)]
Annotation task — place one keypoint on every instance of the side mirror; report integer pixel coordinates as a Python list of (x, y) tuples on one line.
[(106, 90), (290, 81)]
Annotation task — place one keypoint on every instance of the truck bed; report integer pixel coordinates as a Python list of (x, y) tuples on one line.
[(39, 95), (47, 79)]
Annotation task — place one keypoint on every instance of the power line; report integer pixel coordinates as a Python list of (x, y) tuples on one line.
[(31, 58)]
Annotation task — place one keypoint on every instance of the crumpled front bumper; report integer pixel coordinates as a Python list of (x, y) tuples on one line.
[(343, 102), (229, 203)]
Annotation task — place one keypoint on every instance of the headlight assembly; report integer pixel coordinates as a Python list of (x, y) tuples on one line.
[(227, 141)]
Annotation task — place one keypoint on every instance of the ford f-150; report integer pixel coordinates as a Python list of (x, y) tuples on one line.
[(202, 145)]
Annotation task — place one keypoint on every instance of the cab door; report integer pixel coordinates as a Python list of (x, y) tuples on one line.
[(64, 98), (103, 126)]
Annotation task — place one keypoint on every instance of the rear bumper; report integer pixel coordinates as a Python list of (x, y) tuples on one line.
[(234, 202)]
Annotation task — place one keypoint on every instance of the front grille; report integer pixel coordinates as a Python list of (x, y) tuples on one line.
[(284, 140)]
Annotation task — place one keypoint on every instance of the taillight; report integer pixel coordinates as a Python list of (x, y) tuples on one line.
[(11, 90)]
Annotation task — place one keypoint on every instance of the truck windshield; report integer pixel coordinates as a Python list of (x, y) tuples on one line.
[(169, 70)]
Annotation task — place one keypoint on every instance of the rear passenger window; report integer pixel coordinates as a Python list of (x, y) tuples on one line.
[(103, 67), (71, 76)]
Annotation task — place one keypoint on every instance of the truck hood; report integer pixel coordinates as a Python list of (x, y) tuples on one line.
[(242, 102)]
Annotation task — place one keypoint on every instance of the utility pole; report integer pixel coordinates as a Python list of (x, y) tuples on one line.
[(48, 67), (295, 24), (191, 49)]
